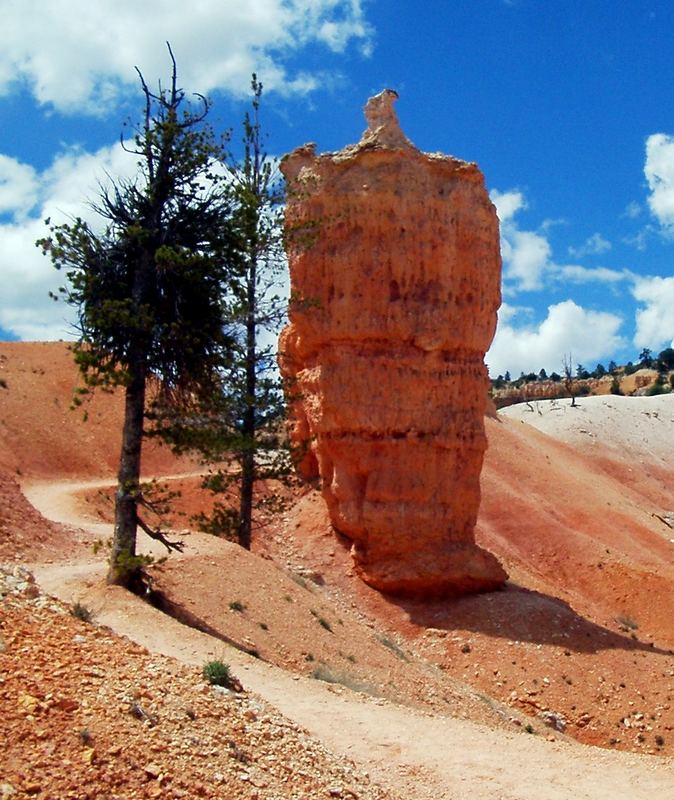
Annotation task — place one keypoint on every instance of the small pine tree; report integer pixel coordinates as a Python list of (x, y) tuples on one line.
[(243, 429), (615, 386), (665, 361), (646, 358)]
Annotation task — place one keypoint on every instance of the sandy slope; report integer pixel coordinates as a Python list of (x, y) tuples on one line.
[(637, 427), (430, 755), (584, 627)]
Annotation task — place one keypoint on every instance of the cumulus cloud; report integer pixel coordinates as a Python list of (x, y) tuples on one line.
[(655, 316), (18, 187), (507, 204), (60, 192), (574, 273), (526, 254), (593, 245), (632, 210), (659, 171), (528, 263), (78, 55), (568, 328)]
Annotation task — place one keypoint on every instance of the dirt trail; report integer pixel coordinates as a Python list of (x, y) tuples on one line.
[(417, 755)]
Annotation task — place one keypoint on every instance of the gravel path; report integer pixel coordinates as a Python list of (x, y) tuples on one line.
[(420, 755)]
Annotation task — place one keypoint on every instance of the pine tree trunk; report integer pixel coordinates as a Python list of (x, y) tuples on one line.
[(122, 571), (246, 501), (249, 427)]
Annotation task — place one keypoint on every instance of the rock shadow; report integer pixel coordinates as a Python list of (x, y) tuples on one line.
[(524, 615)]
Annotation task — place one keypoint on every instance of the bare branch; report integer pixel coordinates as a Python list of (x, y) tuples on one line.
[(667, 522), (159, 536), (174, 72)]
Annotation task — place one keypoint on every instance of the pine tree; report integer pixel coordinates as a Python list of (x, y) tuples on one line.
[(243, 431), (149, 289)]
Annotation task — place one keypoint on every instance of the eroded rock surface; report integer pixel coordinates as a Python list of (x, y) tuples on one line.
[(395, 279)]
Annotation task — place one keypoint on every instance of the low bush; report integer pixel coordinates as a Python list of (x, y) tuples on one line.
[(217, 673), (80, 611)]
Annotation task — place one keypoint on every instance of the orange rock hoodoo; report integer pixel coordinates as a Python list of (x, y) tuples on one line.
[(395, 284)]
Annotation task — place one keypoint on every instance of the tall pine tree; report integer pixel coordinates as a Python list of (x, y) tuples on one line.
[(150, 289), (243, 431)]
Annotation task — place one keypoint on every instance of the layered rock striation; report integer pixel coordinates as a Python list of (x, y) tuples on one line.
[(395, 283)]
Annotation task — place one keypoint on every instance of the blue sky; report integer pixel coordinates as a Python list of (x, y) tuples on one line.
[(568, 108)]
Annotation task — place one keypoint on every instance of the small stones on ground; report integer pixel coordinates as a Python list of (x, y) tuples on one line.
[(554, 720), (166, 734), (153, 770)]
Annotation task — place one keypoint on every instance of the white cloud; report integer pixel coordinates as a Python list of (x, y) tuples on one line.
[(528, 263), (632, 210), (574, 273), (526, 254), (18, 187), (659, 171), (640, 239), (77, 54), (593, 245), (568, 328), (507, 204), (655, 318), (27, 277)]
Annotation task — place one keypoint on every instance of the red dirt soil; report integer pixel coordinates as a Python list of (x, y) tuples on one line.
[(583, 631)]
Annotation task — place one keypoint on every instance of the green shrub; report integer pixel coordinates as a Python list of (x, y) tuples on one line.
[(87, 739), (615, 386), (393, 647), (299, 580), (321, 620), (217, 673), (80, 611), (237, 605), (657, 388), (328, 675)]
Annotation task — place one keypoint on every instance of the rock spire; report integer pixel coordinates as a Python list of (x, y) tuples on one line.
[(395, 283)]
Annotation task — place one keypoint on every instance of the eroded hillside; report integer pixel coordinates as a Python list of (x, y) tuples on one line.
[(577, 645)]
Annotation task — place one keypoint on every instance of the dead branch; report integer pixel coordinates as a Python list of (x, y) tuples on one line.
[(159, 536)]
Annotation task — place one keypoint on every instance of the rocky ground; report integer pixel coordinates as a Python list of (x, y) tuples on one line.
[(577, 646), (88, 714)]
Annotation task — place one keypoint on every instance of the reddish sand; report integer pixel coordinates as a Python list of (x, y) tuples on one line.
[(582, 632)]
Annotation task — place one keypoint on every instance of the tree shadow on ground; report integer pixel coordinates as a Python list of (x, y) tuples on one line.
[(163, 602), (523, 615)]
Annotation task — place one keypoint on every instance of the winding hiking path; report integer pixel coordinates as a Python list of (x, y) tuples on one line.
[(415, 754)]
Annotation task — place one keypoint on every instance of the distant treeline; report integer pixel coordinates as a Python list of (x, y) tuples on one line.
[(663, 363)]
